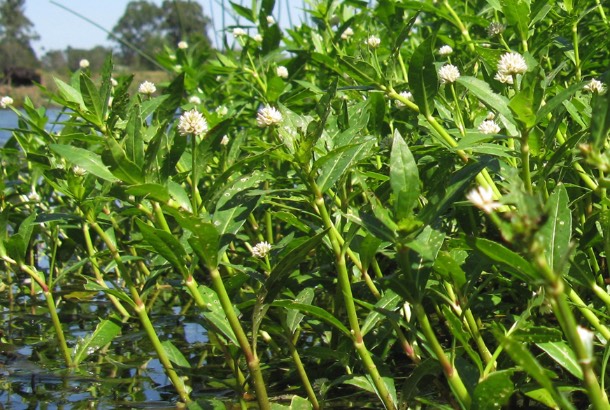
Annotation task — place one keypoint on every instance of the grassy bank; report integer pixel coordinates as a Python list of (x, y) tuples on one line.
[(39, 98)]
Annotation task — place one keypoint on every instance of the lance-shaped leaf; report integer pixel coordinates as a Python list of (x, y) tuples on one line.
[(556, 232), (294, 317), (404, 178), (316, 312), (334, 164), (510, 260), (103, 334), (121, 166), (166, 245), (423, 78), (84, 159), (206, 243)]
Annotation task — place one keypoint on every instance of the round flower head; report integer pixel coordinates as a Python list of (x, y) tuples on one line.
[(147, 88), (268, 116), (347, 33), (595, 86), (6, 101), (373, 41), (270, 20), (405, 94), (239, 32), (445, 50), (448, 73), (193, 99), (222, 110), (258, 38), (79, 171), (511, 64), (495, 29), (183, 45), (84, 63), (482, 198), (489, 127), (261, 249), (504, 78), (192, 122), (224, 140), (114, 82), (282, 72)]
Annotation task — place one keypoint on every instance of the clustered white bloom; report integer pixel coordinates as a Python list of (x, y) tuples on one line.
[(258, 38), (193, 99), (114, 82), (6, 101), (347, 33), (282, 72), (183, 45), (373, 41), (595, 86), (268, 116), (239, 32), (270, 20), (84, 63), (482, 198), (495, 29), (222, 110), (489, 127), (405, 94), (510, 64), (224, 140), (445, 50), (79, 171), (261, 249), (448, 73), (192, 122), (147, 88)]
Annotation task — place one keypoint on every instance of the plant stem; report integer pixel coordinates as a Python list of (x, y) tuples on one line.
[(525, 161), (252, 359), (576, 52), (311, 395)]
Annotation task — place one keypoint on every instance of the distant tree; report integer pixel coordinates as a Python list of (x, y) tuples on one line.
[(55, 60), (96, 57), (16, 33), (145, 28)]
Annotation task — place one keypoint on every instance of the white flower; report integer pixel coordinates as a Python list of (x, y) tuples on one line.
[(261, 249), (222, 110), (177, 68), (147, 88), (489, 127), (511, 64), (270, 20), (445, 50), (114, 82), (595, 86), (193, 99), (448, 73), (282, 72), (239, 32), (482, 198), (268, 116), (183, 45), (84, 63), (258, 38), (490, 115), (192, 122), (347, 33), (586, 337), (404, 94), (79, 171), (33, 196), (495, 29), (224, 140), (504, 78), (373, 41), (6, 101)]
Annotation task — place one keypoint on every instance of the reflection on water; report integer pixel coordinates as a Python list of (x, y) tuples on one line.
[(9, 120)]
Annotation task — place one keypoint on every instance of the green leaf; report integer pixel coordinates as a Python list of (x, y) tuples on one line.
[(316, 312), (388, 303), (423, 78), (556, 232), (216, 314), (294, 317), (557, 101), (120, 166), (484, 93), (600, 121), (70, 94), (538, 334), (206, 243), (133, 142), (91, 98), (563, 355), (84, 159), (174, 355), (517, 13), (103, 334), (166, 245), (333, 165), (456, 327), (245, 12), (512, 261), (522, 107), (284, 267), (494, 391), (404, 178), (90, 285), (156, 192)]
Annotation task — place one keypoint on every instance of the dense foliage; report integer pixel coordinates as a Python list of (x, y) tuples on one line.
[(407, 201)]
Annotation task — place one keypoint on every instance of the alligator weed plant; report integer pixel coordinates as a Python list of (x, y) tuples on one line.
[(402, 205)]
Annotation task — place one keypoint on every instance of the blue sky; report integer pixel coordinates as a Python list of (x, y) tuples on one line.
[(59, 29)]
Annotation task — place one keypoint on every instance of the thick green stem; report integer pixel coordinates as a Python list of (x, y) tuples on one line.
[(61, 339), (453, 377), (252, 359), (525, 161), (311, 395)]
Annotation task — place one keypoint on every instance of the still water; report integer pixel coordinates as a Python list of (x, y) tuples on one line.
[(9, 120)]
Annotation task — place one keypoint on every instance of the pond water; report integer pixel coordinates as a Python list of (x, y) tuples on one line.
[(9, 120)]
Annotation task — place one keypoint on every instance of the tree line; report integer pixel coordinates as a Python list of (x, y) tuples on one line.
[(144, 29)]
